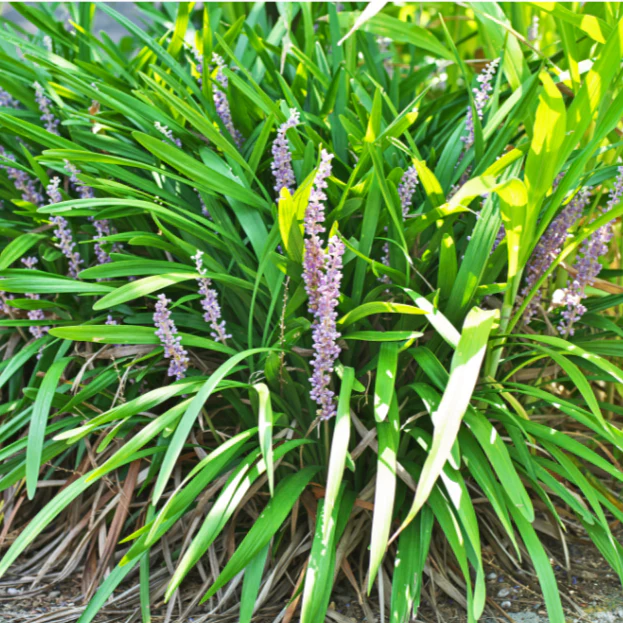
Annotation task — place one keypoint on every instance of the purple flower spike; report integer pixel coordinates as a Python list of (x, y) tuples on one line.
[(549, 247), (102, 226), (21, 180), (36, 331), (167, 333), (481, 96), (30, 262), (52, 189), (62, 232), (282, 158), (50, 122), (163, 129), (385, 260), (406, 189), (588, 265), (85, 192), (314, 218), (322, 274), (220, 100), (198, 64), (4, 302), (103, 229), (202, 203), (210, 303), (324, 333), (6, 100)]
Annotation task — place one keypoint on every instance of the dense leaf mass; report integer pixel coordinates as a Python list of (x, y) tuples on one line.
[(324, 293)]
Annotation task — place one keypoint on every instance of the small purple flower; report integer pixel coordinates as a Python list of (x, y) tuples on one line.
[(385, 259), (498, 239), (5, 308), (167, 333), (210, 303), (36, 331), (282, 158), (7, 100), (324, 332), (21, 180), (198, 64), (406, 189), (163, 129), (52, 189), (110, 321), (202, 203), (481, 97), (102, 229), (549, 247), (30, 262), (63, 233), (587, 264), (313, 261), (102, 226), (45, 106), (85, 192), (220, 100)]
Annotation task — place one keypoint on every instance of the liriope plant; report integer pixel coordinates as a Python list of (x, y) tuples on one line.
[(287, 288)]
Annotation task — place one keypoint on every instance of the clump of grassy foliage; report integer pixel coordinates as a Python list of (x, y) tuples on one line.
[(140, 456)]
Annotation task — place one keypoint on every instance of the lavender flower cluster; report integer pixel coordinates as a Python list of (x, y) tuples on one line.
[(167, 333), (282, 158), (5, 308), (385, 260), (102, 226), (198, 64), (324, 333), (588, 265), (406, 189), (210, 303), (482, 95), (202, 203), (219, 97), (21, 180), (36, 331), (322, 274), (7, 100), (45, 106), (549, 247), (163, 129), (313, 261), (62, 232)]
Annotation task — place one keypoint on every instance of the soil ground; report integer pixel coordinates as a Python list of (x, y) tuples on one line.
[(591, 593)]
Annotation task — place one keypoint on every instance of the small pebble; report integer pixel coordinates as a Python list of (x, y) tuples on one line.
[(12, 591), (506, 605), (54, 594), (505, 592)]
